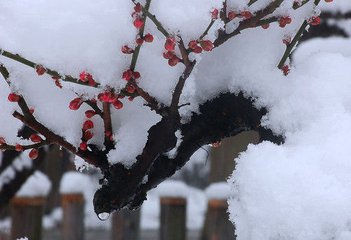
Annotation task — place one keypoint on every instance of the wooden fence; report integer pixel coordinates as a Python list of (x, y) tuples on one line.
[(27, 216)]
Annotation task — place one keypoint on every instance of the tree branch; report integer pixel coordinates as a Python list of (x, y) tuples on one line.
[(249, 23), (109, 144), (179, 87), (225, 116), (295, 40), (53, 73)]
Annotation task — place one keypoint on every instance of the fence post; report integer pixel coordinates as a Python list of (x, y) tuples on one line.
[(125, 225), (173, 218), (73, 216), (217, 225), (26, 214)]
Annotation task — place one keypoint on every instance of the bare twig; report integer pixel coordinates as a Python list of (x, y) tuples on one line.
[(292, 44), (154, 19), (152, 102), (207, 29), (50, 137), (297, 5), (107, 125), (53, 73), (249, 23), (179, 87), (251, 2), (294, 41), (24, 147)]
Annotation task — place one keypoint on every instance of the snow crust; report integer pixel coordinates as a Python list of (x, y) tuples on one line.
[(37, 185)]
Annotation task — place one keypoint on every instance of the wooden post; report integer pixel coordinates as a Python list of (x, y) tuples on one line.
[(73, 216), (173, 218), (125, 225), (217, 225), (26, 214)]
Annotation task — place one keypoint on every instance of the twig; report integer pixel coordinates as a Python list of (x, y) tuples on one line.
[(294, 41), (53, 73), (248, 23), (179, 87), (152, 102), (107, 125), (154, 19), (50, 137), (297, 5), (183, 51), (207, 29), (24, 147), (251, 2), (292, 44), (95, 107), (4, 72)]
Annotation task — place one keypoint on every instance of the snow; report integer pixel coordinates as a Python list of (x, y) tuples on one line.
[(53, 219), (173, 152), (18, 164), (195, 210), (342, 6), (37, 185), (219, 190), (307, 177), (74, 182)]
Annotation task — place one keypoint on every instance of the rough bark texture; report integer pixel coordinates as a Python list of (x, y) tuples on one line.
[(224, 116)]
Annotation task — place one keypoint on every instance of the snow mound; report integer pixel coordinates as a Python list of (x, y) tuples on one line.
[(74, 182), (220, 190), (37, 185), (300, 189), (196, 204)]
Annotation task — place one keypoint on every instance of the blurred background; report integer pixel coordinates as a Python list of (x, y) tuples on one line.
[(56, 200)]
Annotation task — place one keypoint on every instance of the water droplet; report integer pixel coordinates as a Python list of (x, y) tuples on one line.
[(103, 216)]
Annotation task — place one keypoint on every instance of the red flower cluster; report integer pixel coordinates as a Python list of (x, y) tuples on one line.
[(283, 21), (197, 47), (87, 78)]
